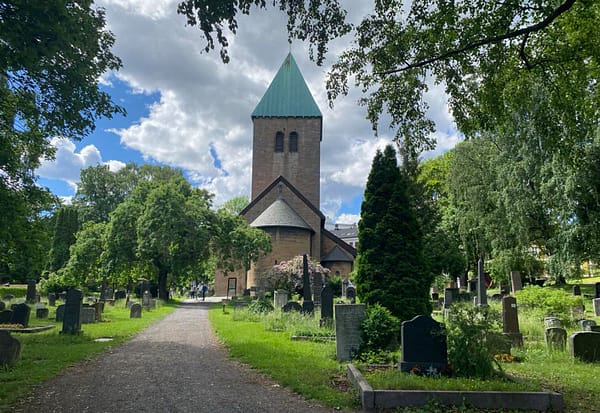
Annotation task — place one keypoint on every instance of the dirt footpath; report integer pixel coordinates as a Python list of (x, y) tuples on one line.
[(176, 365)]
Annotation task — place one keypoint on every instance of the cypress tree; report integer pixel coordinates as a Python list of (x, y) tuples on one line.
[(390, 252), (65, 229)]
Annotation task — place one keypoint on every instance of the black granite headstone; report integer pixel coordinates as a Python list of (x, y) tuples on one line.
[(585, 345), (41, 313), (10, 349), (423, 345), (30, 298), (576, 289), (72, 315), (326, 302), (292, 306), (51, 299), (6, 316), (597, 290), (135, 311), (60, 313), (21, 314)]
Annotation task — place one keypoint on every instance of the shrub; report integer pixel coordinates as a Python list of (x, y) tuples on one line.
[(549, 302), (473, 339), (335, 283), (261, 305), (54, 283), (379, 329)]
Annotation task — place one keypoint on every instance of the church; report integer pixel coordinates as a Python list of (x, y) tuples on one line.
[(285, 198)]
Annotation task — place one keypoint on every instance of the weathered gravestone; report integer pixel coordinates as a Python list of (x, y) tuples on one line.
[(348, 318), (280, 298), (351, 293), (450, 296), (30, 298), (72, 312), (472, 286), (556, 338), (135, 311), (552, 322), (292, 306), (51, 299), (308, 307), (146, 299), (317, 284), (597, 295), (585, 345), (596, 305), (576, 289), (2, 305), (6, 316), (41, 312), (326, 303), (586, 325), (510, 321), (99, 307), (423, 345), (21, 313), (60, 313), (88, 315), (10, 349), (120, 295), (516, 284)]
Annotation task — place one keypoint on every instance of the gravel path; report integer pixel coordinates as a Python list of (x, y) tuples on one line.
[(176, 365)]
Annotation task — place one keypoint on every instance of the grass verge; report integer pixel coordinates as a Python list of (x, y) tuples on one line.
[(44, 355)]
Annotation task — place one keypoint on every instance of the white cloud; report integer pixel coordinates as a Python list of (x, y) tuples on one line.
[(348, 219)]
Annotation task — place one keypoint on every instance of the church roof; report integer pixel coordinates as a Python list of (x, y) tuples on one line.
[(338, 255), (280, 214), (287, 95)]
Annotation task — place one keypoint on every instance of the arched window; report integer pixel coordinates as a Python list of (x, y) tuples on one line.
[(293, 142), (279, 142)]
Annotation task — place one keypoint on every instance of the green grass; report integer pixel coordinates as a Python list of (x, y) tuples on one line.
[(46, 354), (306, 367)]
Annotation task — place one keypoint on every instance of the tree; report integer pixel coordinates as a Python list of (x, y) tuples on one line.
[(65, 228), (389, 268), (99, 191), (86, 264)]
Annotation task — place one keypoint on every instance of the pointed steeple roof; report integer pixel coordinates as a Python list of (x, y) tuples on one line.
[(287, 95)]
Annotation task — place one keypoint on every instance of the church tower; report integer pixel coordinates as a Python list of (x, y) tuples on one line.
[(287, 135)]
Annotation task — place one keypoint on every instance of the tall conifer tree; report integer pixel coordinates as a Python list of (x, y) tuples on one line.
[(390, 252)]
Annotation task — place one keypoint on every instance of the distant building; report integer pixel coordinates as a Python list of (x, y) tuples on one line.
[(286, 156), (347, 233)]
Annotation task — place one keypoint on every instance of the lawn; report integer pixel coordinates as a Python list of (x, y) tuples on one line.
[(46, 354)]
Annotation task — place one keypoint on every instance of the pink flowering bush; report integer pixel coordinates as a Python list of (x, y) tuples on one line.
[(287, 275)]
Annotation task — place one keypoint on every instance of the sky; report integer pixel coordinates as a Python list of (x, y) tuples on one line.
[(188, 110)]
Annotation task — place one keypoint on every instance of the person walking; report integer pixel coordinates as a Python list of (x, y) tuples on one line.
[(203, 289)]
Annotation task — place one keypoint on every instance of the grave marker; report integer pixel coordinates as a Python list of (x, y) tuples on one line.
[(292, 306), (516, 283), (556, 338), (30, 298), (597, 285), (72, 312), (51, 299), (10, 349), (585, 345), (6, 316), (308, 307), (351, 293), (326, 303), (510, 321), (576, 289), (552, 322), (348, 318), (88, 315), (60, 313), (135, 311), (423, 345), (21, 314), (280, 298), (317, 288), (481, 287), (596, 305), (586, 325)]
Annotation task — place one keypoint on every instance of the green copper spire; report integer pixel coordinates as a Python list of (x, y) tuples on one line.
[(287, 95)]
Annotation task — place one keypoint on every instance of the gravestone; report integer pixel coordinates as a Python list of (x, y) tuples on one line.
[(576, 289), (585, 345), (586, 325), (481, 285), (88, 315), (72, 312), (51, 299), (10, 349), (280, 298), (345, 287), (146, 298), (120, 295), (597, 295), (60, 313), (351, 293), (292, 306), (348, 318), (435, 297), (21, 314), (472, 285), (326, 303), (108, 293), (423, 345), (135, 311), (596, 305), (30, 298), (2, 305), (317, 288), (556, 338), (516, 284), (6, 316), (552, 322), (450, 296), (510, 321), (307, 305), (41, 313)]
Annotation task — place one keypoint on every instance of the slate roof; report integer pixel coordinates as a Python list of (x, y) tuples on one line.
[(338, 255), (287, 95), (344, 233), (280, 214)]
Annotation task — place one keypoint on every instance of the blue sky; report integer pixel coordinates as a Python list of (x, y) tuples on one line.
[(188, 110)]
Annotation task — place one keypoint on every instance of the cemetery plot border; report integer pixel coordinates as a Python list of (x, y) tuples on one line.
[(374, 400)]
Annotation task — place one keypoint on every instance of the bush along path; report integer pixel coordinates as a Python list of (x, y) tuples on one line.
[(176, 365)]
